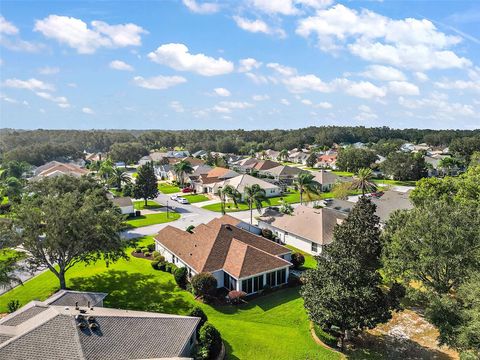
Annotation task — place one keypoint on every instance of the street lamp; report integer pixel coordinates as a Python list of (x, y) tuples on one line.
[(167, 209)]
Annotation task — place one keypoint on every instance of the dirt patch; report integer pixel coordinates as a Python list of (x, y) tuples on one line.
[(406, 336)]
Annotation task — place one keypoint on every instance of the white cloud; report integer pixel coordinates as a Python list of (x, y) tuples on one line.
[(383, 73), (30, 84), (299, 84), (364, 108), (87, 110), (248, 64), (366, 116), (403, 88), (257, 26), (76, 34), (285, 102), (421, 76), (324, 105), (282, 70), (49, 70), (260, 97), (120, 65), (409, 43), (221, 109), (177, 57), (256, 78), (177, 106), (61, 101), (202, 8), (458, 85), (236, 104), (6, 27), (439, 105), (222, 92), (362, 89), (282, 7), (306, 102), (316, 4), (158, 82)]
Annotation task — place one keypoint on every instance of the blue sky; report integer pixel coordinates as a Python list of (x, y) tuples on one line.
[(253, 64)]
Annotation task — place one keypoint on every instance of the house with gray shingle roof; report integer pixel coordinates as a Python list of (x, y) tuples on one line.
[(59, 329), (237, 258)]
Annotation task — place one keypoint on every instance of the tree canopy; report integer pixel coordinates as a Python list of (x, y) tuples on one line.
[(146, 186)]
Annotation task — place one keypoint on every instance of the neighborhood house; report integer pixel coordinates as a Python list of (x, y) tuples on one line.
[(307, 229), (238, 259)]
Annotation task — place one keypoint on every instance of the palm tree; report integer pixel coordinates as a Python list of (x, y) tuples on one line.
[(254, 196), (106, 169), (118, 177), (362, 181), (228, 191), (181, 169), (283, 155), (263, 155), (307, 185)]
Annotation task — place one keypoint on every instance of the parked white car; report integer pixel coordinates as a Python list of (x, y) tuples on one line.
[(174, 197), (182, 200)]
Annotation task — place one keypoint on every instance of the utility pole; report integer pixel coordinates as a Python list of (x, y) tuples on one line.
[(167, 210)]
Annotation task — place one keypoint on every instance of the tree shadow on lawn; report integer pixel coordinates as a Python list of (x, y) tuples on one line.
[(134, 291), (228, 351), (369, 346), (265, 302)]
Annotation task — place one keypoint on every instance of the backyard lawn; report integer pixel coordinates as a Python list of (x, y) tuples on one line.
[(291, 197), (273, 326), (151, 219), (140, 205), (195, 198), (310, 262), (166, 188), (394, 182), (7, 254), (343, 173)]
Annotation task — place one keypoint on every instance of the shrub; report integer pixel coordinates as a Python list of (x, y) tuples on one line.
[(180, 276), (154, 264), (323, 335), (144, 250), (160, 258), (204, 284), (293, 280), (5, 208), (190, 229), (173, 267), (297, 260), (267, 233), (147, 254), (162, 266), (138, 250), (155, 254), (151, 247), (13, 305), (198, 312), (210, 342), (236, 297)]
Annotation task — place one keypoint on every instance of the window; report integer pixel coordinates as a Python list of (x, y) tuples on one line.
[(229, 282), (281, 276), (174, 259), (258, 283), (314, 247), (247, 286)]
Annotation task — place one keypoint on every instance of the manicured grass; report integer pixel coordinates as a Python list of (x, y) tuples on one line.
[(343, 173), (115, 192), (140, 205), (195, 198), (4, 200), (168, 188), (152, 219), (291, 197), (394, 182), (310, 262), (273, 326), (134, 175), (7, 254)]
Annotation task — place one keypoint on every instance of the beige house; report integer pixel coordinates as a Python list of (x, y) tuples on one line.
[(307, 229), (327, 179), (241, 181)]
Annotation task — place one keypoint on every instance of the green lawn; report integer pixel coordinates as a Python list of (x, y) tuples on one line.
[(395, 182), (140, 205), (115, 192), (291, 197), (168, 188), (4, 200), (310, 262), (151, 219), (343, 173), (273, 326), (7, 254), (195, 198)]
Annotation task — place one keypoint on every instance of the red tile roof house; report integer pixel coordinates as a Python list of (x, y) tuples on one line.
[(206, 182), (327, 161), (238, 259)]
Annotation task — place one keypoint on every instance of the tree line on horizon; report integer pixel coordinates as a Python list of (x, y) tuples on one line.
[(40, 146)]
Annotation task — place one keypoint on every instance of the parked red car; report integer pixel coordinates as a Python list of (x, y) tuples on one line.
[(187, 190)]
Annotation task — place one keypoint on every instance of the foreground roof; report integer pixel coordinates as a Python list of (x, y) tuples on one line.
[(53, 332), (284, 170), (220, 244), (241, 181), (312, 224), (326, 177)]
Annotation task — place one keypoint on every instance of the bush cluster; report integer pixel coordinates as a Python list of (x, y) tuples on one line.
[(204, 284), (180, 276), (297, 260), (236, 297), (210, 342)]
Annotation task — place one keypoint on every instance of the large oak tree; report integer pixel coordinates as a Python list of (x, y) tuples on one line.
[(67, 220)]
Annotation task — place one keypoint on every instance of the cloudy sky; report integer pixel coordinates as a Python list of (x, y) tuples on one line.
[(253, 64)]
